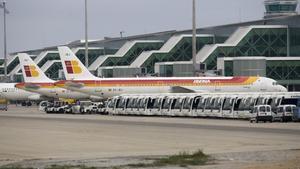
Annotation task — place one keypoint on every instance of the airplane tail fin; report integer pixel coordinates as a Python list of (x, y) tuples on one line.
[(73, 68), (31, 72)]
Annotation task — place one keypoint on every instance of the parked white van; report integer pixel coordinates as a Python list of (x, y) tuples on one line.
[(261, 113)]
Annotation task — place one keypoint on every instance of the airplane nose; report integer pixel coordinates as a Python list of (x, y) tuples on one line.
[(282, 88)]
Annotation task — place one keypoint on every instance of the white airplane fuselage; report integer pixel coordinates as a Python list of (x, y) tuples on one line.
[(10, 92), (107, 88)]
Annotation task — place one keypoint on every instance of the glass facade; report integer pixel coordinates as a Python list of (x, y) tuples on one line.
[(166, 70), (53, 71), (49, 56), (1, 61), (266, 42), (287, 72), (283, 70), (12, 65), (258, 42), (18, 77), (132, 54), (294, 41), (107, 72), (228, 66), (94, 54), (181, 52), (280, 8)]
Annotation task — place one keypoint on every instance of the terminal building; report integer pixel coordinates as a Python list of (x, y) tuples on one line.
[(268, 47)]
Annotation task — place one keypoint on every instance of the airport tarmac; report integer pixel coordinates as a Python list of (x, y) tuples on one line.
[(27, 134)]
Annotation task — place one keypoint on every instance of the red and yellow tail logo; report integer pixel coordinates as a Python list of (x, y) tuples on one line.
[(30, 71), (73, 67)]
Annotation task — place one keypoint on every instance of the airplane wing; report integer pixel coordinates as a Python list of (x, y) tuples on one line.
[(74, 84), (180, 89), (32, 86)]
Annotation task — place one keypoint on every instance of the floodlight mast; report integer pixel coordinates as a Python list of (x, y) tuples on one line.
[(194, 46), (86, 37), (5, 11)]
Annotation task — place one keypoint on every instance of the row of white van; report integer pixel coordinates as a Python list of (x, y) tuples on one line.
[(190, 105), (283, 113)]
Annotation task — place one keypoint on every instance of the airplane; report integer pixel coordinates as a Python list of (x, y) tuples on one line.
[(78, 78), (8, 91), (36, 81)]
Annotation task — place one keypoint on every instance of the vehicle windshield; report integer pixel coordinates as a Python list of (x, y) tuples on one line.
[(187, 103), (218, 103), (295, 110), (142, 103), (202, 103), (177, 104), (111, 103), (288, 109), (121, 103), (262, 109), (227, 104), (156, 103), (166, 104), (210, 103)]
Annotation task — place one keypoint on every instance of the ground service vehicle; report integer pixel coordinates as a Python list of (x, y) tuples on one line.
[(294, 101), (261, 113), (296, 116), (43, 105), (101, 108), (286, 112), (84, 107), (3, 104), (56, 107)]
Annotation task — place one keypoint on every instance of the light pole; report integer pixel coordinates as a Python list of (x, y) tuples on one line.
[(5, 11), (121, 34), (194, 50), (86, 37)]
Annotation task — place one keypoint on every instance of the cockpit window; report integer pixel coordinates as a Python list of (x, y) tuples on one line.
[(275, 83)]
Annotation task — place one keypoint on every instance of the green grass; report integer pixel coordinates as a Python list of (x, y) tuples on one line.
[(182, 159), (15, 167), (69, 167), (52, 167)]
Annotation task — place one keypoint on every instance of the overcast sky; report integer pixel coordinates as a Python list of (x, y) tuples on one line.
[(34, 24)]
